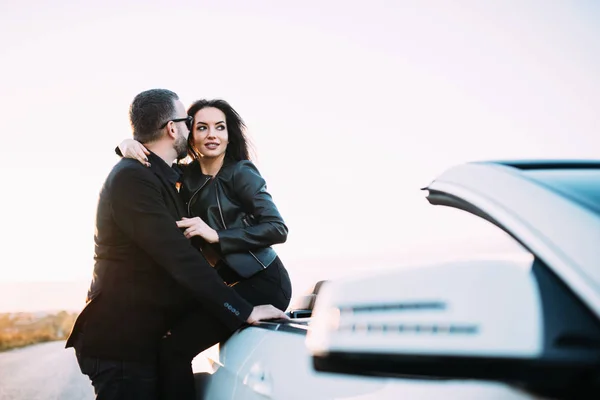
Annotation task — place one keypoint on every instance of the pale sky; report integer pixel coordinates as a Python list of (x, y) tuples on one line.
[(352, 107)]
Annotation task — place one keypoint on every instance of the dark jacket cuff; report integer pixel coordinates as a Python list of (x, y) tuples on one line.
[(237, 313), (228, 239)]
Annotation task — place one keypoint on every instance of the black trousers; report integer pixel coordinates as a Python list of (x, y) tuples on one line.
[(199, 330), (120, 380)]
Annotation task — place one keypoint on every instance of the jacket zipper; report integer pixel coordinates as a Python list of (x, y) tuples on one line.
[(195, 193), (225, 226)]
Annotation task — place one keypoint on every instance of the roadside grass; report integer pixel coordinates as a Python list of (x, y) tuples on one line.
[(24, 329)]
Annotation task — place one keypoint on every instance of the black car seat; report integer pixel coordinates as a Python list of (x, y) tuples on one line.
[(302, 306)]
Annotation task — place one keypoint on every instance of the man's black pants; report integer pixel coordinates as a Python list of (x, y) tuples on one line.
[(120, 380)]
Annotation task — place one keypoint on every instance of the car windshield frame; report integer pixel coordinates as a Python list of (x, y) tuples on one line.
[(505, 195), (581, 185)]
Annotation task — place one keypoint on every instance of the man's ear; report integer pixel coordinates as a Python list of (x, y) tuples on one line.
[(171, 130)]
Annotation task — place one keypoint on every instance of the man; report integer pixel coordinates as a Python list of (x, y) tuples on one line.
[(147, 275)]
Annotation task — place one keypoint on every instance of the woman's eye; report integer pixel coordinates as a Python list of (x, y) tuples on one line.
[(201, 128), (221, 127)]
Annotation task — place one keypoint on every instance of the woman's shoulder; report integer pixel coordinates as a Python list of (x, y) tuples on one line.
[(241, 175), (231, 168), (244, 165), (244, 170)]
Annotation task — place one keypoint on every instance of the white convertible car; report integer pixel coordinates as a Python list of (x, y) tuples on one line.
[(520, 323)]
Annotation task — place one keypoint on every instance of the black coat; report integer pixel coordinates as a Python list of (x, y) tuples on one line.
[(237, 205), (146, 273)]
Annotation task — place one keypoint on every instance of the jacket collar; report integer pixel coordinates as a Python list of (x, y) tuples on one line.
[(171, 174), (193, 178), (169, 177)]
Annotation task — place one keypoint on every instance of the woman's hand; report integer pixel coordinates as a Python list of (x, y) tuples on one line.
[(196, 227), (131, 148)]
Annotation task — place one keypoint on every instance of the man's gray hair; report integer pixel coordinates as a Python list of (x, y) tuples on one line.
[(149, 111)]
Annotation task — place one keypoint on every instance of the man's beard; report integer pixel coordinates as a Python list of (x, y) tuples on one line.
[(181, 147)]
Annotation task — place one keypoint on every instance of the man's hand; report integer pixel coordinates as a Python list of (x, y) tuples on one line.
[(264, 312)]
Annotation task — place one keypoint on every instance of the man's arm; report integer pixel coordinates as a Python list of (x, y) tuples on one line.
[(139, 209)]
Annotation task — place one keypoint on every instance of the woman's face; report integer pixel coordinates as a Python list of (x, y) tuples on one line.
[(210, 132)]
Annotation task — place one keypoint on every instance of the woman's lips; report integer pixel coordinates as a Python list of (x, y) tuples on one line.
[(211, 146)]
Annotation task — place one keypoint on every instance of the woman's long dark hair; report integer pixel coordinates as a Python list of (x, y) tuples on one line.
[(238, 146)]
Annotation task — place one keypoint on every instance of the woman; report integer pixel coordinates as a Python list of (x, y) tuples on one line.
[(232, 220)]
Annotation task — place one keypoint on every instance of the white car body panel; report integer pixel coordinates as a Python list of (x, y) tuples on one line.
[(260, 363), (266, 372), (543, 220), (279, 367), (414, 313)]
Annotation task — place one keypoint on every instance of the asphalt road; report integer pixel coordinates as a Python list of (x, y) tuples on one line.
[(48, 371), (44, 371)]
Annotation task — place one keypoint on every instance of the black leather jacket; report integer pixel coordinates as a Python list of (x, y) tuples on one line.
[(237, 205)]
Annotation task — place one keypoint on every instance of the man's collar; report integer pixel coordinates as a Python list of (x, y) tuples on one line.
[(171, 173)]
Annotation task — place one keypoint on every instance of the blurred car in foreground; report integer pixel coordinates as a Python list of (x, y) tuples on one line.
[(495, 326)]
